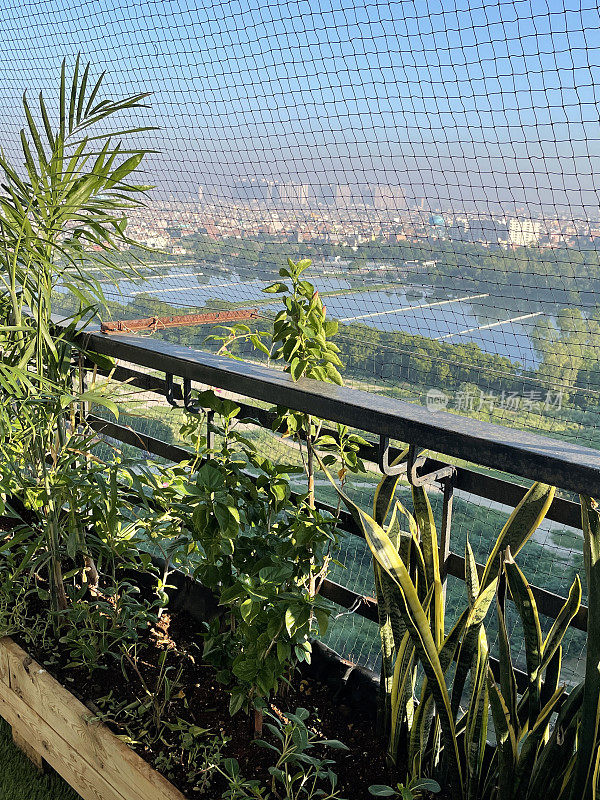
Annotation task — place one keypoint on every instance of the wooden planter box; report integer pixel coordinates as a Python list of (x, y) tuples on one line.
[(51, 725)]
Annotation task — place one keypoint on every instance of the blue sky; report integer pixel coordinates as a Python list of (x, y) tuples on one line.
[(489, 100)]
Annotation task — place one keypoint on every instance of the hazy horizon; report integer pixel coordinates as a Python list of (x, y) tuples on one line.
[(488, 105)]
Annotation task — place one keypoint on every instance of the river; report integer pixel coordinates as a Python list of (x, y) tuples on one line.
[(483, 319)]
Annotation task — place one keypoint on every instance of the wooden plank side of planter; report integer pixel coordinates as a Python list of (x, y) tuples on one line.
[(32, 752), (46, 742), (130, 777)]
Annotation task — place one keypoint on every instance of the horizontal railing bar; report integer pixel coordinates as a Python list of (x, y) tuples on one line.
[(157, 385), (507, 493), (488, 487), (127, 435), (366, 607), (359, 604), (528, 455)]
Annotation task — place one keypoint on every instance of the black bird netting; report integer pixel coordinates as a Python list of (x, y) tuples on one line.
[(438, 161)]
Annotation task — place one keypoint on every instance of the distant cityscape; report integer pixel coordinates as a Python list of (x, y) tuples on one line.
[(344, 215)]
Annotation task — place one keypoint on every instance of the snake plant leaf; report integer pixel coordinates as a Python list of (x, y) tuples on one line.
[(390, 627), (391, 624), (469, 642), (471, 576), (582, 787), (552, 765), (386, 489), (527, 608), (430, 550), (404, 541), (520, 526), (518, 529), (531, 744), (418, 625), (412, 523), (477, 719), (393, 529), (508, 683), (423, 715), (506, 739), (421, 725), (402, 691), (452, 641), (428, 538), (562, 622), (517, 770), (418, 573), (552, 676)]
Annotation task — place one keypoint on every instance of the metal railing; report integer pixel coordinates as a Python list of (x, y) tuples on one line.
[(567, 466)]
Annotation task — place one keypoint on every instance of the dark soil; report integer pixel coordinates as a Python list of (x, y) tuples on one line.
[(204, 702)]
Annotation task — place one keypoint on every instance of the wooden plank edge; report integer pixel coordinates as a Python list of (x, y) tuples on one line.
[(69, 764), (131, 777), (27, 748)]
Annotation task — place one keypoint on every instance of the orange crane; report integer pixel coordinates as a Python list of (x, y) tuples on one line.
[(156, 323)]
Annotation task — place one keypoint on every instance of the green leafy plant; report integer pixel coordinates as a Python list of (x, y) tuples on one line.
[(145, 718), (585, 770), (301, 339), (413, 791), (532, 756), (258, 548), (196, 753), (296, 774), (96, 630)]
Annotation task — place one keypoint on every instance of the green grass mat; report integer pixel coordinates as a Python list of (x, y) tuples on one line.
[(19, 779)]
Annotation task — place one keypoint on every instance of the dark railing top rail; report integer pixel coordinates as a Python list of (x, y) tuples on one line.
[(476, 483), (564, 464)]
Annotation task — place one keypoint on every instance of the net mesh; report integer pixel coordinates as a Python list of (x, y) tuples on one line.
[(437, 161)]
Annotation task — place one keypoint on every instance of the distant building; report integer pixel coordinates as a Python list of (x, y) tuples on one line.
[(343, 195), (486, 230), (523, 232), (156, 241), (388, 198), (303, 191), (294, 194)]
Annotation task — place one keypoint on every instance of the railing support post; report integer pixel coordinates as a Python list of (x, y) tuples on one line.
[(448, 497), (210, 431)]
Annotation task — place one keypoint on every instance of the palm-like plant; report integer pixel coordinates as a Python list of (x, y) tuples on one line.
[(62, 211)]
